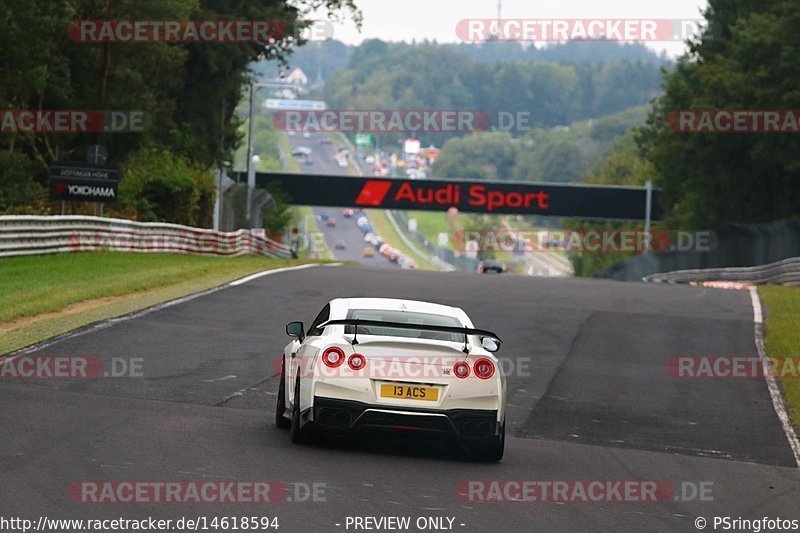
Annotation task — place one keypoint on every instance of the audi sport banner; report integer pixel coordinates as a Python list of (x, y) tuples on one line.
[(498, 197), (83, 182)]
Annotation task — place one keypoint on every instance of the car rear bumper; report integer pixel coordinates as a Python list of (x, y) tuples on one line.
[(347, 416)]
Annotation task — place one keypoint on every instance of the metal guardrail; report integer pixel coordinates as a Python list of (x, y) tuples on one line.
[(34, 235), (785, 272)]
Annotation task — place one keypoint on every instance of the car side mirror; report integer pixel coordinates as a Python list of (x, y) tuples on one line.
[(296, 329), (490, 344)]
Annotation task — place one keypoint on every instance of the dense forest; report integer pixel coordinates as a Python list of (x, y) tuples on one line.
[(320, 59), (188, 90), (429, 76)]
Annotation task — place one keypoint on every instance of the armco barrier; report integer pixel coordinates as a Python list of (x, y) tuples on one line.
[(786, 272), (33, 235), (737, 246)]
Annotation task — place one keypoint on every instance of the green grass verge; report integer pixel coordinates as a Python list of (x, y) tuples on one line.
[(783, 337), (285, 148), (302, 215), (50, 294), (431, 223), (384, 228)]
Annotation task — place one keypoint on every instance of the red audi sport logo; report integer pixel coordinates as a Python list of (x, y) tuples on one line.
[(374, 193)]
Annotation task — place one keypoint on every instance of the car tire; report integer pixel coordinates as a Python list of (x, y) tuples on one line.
[(492, 451), (280, 408), (296, 431)]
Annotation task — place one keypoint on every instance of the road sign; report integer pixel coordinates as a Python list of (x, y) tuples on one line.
[(411, 146), (87, 171), (280, 104), (363, 139), (83, 182), (97, 154)]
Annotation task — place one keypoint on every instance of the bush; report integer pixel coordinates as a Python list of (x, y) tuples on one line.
[(163, 187), (279, 216), (17, 186)]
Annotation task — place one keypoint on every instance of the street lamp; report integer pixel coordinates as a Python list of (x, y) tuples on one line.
[(252, 159), (253, 88), (252, 163)]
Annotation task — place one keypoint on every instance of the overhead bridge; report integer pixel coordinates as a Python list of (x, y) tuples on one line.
[(489, 197)]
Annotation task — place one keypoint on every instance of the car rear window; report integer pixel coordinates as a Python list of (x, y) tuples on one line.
[(406, 317)]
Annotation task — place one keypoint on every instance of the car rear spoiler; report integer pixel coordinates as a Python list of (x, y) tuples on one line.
[(405, 325)]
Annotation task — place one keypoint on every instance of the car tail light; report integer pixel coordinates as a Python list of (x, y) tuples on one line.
[(333, 357), (357, 361), (484, 368), (461, 369)]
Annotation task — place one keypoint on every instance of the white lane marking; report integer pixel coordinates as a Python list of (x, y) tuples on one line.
[(261, 274), (219, 379), (142, 312), (772, 384)]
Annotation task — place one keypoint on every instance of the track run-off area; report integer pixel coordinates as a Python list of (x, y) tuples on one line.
[(590, 397)]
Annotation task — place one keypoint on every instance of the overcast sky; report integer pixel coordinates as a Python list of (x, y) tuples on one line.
[(404, 20)]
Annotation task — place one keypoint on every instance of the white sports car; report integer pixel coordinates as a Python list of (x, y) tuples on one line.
[(398, 365)]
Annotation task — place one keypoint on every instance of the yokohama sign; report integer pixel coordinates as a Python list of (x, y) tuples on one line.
[(83, 182), (582, 201)]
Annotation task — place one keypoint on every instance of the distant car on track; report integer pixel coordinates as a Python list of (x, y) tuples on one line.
[(370, 364), (330, 222), (301, 151), (492, 267), (348, 213), (368, 252), (340, 245)]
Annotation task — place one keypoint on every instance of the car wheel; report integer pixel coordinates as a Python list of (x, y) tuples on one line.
[(492, 451), (280, 409), (297, 433)]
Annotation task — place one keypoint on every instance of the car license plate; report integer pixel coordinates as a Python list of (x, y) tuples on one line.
[(410, 392)]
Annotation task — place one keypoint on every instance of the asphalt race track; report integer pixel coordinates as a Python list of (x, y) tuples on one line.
[(345, 230), (589, 392)]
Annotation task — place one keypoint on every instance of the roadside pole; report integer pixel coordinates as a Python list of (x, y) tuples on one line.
[(647, 214)]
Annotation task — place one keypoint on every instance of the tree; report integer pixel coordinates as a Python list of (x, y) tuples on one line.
[(278, 217), (745, 59), (189, 91), (483, 156)]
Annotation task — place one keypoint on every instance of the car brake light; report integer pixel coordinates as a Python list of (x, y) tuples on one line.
[(333, 357), (357, 361), (461, 369), (484, 368)]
